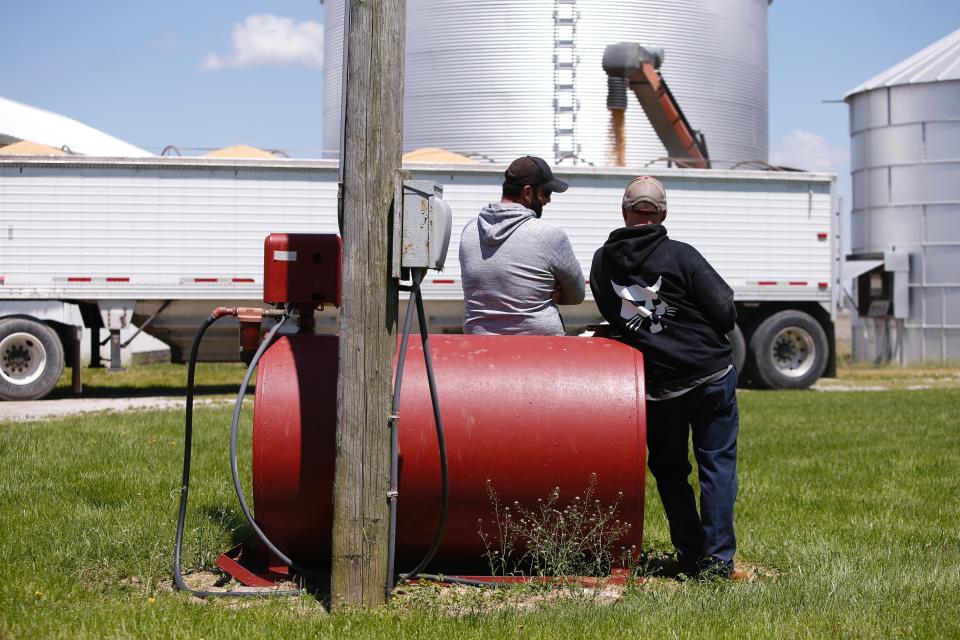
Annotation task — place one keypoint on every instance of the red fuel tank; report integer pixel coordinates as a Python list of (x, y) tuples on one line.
[(526, 413)]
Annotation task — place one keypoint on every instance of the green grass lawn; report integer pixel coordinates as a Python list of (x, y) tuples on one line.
[(850, 501), (166, 379)]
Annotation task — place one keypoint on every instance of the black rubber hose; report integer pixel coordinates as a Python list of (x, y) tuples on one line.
[(465, 581), (416, 297), (234, 471), (185, 485), (441, 442)]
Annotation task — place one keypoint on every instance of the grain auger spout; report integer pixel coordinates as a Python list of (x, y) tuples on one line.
[(629, 65)]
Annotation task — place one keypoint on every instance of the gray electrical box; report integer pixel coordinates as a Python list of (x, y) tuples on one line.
[(883, 283), (422, 230), (898, 263)]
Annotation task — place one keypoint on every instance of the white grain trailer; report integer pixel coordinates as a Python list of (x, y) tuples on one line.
[(103, 243)]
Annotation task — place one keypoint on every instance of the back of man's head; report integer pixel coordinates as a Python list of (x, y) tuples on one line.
[(530, 171), (645, 190), (644, 202)]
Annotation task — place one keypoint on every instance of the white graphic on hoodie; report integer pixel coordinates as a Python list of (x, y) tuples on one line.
[(639, 303)]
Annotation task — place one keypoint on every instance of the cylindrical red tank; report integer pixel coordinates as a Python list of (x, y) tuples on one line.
[(526, 413)]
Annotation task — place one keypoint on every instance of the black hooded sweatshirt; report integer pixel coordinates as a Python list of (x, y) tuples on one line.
[(665, 299)]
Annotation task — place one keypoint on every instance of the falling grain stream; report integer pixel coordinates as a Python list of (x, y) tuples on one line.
[(618, 138)]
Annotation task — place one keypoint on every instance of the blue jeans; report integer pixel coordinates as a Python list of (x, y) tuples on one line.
[(711, 411)]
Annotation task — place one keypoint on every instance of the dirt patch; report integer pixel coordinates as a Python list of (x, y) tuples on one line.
[(890, 378), (16, 411), (217, 582), (754, 572), (460, 600)]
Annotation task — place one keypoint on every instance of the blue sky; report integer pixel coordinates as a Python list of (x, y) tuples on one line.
[(136, 71), (187, 72), (820, 49)]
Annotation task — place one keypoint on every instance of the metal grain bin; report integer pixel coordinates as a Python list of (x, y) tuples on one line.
[(905, 139), (502, 78)]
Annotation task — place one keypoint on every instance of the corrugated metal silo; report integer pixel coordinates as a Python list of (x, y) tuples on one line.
[(905, 140), (503, 78)]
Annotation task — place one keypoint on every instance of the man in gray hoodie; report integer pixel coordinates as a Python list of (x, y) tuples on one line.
[(515, 267)]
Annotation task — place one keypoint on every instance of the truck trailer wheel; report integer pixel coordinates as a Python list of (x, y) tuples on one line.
[(789, 351), (31, 359), (739, 348)]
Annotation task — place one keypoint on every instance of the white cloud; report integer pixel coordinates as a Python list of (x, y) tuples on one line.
[(809, 151), (212, 62), (267, 40)]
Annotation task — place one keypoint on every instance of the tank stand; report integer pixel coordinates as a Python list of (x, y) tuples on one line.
[(76, 368), (115, 361), (95, 362), (245, 566)]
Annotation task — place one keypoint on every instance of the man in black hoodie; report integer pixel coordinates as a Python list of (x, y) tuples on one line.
[(664, 298)]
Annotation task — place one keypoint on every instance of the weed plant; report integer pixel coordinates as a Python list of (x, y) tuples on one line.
[(553, 539)]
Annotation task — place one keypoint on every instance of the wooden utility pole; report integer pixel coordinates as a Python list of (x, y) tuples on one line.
[(368, 314)]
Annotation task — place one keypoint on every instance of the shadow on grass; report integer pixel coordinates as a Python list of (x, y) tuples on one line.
[(121, 391), (231, 520), (656, 562)]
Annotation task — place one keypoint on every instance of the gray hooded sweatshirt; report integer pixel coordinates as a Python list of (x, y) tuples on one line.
[(511, 264)]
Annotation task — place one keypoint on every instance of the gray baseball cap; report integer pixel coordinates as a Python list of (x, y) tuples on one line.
[(645, 190)]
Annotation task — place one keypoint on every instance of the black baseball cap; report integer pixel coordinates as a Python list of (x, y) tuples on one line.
[(534, 171)]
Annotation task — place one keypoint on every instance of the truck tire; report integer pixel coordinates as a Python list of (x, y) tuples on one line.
[(31, 359), (789, 350), (739, 348)]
